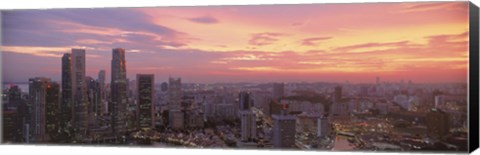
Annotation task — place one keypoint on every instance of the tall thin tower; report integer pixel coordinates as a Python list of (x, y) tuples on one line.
[(79, 91), (118, 86), (66, 106)]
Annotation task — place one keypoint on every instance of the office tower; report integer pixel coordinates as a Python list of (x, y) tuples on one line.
[(438, 123), (278, 91), (378, 80), (338, 94), (176, 119), (94, 102), (248, 125), (38, 97), (244, 101), (93, 96), (118, 86), (9, 125), (145, 101), (323, 127), (79, 91), (66, 106), (175, 93), (283, 130), (15, 113), (164, 86), (52, 108), (103, 95), (131, 118), (247, 117)]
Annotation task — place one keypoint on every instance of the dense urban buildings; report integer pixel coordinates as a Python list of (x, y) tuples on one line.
[(244, 115)]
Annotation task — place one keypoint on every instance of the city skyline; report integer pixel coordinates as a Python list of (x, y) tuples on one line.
[(236, 44)]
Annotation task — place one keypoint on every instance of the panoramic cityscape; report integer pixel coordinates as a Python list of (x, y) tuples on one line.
[(289, 78)]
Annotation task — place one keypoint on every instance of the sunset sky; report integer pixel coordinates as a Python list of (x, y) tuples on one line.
[(422, 42)]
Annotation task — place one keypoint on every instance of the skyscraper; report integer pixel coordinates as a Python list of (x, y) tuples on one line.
[(337, 96), (174, 93), (79, 91), (38, 97), (248, 125), (247, 117), (244, 101), (284, 130), (66, 106), (118, 86), (323, 127), (145, 100), (278, 91), (102, 92), (93, 97), (52, 113), (438, 123)]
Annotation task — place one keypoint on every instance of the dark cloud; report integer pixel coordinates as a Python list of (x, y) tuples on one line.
[(45, 28), (204, 20)]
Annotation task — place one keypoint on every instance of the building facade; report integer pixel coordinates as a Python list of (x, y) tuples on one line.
[(145, 101), (79, 91), (118, 86), (283, 131)]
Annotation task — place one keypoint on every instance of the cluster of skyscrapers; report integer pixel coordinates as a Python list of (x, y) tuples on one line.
[(82, 107), (83, 110)]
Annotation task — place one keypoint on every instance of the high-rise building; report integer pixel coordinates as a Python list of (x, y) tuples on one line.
[(278, 91), (66, 106), (164, 86), (94, 102), (15, 114), (323, 127), (103, 95), (338, 94), (79, 91), (52, 114), (247, 117), (175, 93), (283, 131), (118, 86), (248, 125), (9, 125), (38, 98), (145, 100), (244, 101), (438, 123), (176, 119)]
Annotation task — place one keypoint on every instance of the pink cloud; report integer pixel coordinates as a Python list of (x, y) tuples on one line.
[(267, 38), (314, 41)]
